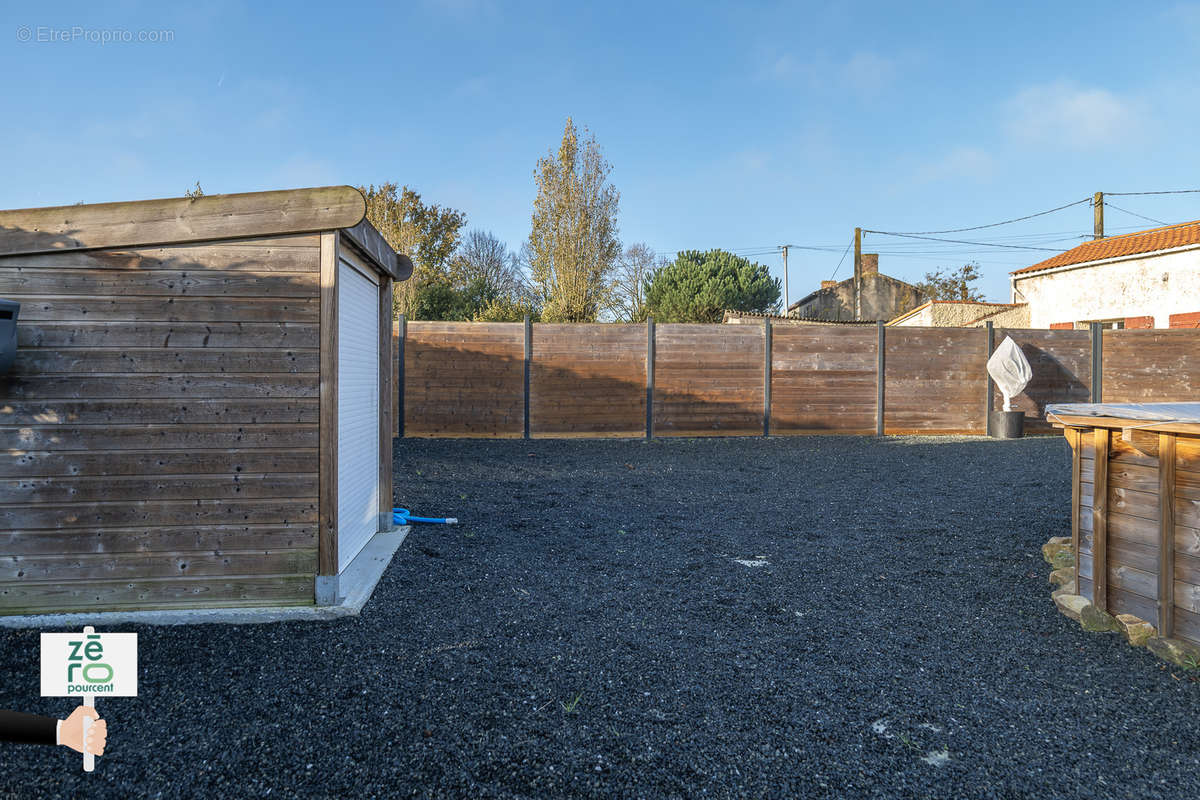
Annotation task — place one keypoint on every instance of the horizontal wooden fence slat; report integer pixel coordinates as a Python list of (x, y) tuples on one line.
[(467, 379)]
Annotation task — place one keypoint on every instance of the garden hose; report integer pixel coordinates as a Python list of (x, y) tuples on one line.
[(402, 516)]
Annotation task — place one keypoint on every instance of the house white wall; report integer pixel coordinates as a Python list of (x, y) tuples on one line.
[(1151, 285)]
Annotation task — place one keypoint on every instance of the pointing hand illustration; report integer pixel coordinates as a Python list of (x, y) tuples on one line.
[(71, 733)]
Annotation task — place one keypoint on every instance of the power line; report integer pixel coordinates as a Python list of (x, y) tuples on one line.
[(962, 241), (1169, 191), (844, 252), (1134, 214), (995, 224)]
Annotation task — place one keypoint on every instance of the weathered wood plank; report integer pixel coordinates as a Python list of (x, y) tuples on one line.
[(157, 412), (214, 539), (170, 309), (286, 254), (1166, 534), (229, 591), (1073, 438), (92, 360), (387, 360), (161, 437), (32, 491), (156, 283), (151, 512), (327, 441), (183, 219), (119, 386), (98, 463), (1101, 438), (138, 566), (1187, 625), (167, 334)]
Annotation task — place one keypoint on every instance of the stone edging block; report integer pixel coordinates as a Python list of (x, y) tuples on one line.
[(1058, 553)]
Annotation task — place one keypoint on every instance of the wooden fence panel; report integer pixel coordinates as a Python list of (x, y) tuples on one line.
[(588, 380), (464, 379), (1151, 366), (467, 379), (823, 379), (1062, 372), (708, 380), (936, 380)]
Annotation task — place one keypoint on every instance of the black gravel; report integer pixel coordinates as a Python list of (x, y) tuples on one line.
[(588, 631)]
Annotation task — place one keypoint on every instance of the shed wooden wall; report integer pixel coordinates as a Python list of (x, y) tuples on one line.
[(160, 427)]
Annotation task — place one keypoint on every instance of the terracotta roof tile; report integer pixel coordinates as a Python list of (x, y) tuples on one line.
[(1127, 244)]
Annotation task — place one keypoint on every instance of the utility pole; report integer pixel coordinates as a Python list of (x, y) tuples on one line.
[(1098, 215), (857, 273), (786, 299)]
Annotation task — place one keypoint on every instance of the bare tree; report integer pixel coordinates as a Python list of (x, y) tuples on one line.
[(573, 241), (626, 299), (483, 257)]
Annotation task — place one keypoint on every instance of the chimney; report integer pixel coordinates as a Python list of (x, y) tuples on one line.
[(828, 284), (870, 263)]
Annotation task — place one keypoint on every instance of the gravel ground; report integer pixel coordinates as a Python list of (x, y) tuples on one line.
[(794, 617)]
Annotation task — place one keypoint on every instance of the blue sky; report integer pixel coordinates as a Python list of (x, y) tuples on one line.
[(742, 126)]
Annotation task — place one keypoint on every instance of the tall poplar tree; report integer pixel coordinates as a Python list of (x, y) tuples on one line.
[(573, 243)]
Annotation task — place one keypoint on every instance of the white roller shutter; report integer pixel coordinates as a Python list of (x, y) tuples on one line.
[(358, 411)]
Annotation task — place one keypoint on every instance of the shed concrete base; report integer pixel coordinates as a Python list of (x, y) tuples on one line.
[(356, 583)]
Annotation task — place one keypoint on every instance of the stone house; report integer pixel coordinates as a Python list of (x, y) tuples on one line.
[(867, 296), (1147, 279)]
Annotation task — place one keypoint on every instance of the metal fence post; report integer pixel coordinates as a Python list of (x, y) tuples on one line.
[(1097, 332), (879, 376), (991, 386), (649, 378), (528, 356), (400, 375), (767, 376)]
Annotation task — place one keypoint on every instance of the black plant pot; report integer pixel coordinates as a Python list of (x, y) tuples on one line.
[(1008, 424)]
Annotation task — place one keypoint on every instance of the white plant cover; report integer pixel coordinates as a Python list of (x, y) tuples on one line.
[(1010, 370)]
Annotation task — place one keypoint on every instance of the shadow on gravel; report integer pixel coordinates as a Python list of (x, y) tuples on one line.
[(791, 617)]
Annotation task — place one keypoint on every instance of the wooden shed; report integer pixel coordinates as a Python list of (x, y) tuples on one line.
[(199, 414)]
